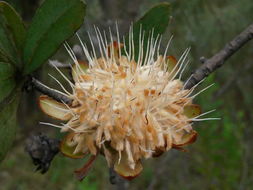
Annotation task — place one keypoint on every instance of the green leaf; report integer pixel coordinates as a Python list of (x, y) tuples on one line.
[(6, 86), (6, 70), (12, 35), (7, 80), (8, 110), (157, 19), (54, 22)]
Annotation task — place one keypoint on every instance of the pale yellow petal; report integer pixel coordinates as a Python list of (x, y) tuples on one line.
[(54, 109), (124, 170)]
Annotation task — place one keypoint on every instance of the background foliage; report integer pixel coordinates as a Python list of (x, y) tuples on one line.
[(220, 159)]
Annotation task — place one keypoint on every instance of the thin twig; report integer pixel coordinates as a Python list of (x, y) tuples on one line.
[(50, 92), (216, 61), (55, 63)]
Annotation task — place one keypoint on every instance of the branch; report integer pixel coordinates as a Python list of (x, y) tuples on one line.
[(50, 92), (213, 63)]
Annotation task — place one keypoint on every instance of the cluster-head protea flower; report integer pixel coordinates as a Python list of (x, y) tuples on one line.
[(125, 108)]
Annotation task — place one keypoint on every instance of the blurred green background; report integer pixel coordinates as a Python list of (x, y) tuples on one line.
[(220, 159)]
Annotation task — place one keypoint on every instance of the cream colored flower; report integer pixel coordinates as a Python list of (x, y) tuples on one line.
[(123, 108)]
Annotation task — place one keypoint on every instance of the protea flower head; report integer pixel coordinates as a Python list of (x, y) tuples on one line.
[(124, 108)]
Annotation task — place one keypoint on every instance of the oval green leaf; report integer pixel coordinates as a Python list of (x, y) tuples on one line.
[(54, 22), (156, 19), (7, 80), (8, 109), (12, 35)]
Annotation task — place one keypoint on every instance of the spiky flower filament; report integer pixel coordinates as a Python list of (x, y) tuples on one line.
[(126, 109), (132, 107)]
